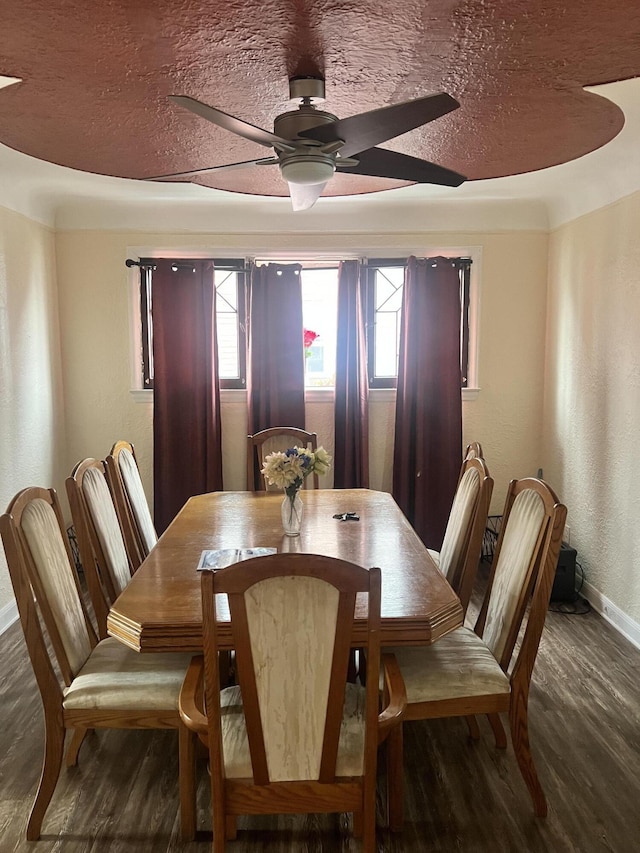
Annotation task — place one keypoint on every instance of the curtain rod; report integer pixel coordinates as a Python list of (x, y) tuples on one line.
[(371, 262)]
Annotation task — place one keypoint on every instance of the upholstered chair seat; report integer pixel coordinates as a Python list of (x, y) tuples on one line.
[(117, 678), (459, 664), (237, 756)]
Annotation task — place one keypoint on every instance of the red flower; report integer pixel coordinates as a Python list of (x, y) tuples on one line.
[(309, 337)]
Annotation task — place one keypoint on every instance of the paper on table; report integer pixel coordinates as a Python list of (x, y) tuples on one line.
[(227, 556)]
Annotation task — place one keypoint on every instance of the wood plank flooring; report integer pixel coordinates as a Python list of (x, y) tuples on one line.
[(459, 795)]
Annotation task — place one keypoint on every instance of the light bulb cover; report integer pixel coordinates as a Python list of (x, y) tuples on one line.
[(306, 171)]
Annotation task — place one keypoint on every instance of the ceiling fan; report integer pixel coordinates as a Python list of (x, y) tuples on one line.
[(310, 145)]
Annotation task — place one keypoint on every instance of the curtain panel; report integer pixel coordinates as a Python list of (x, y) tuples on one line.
[(351, 454), (275, 362), (187, 446), (428, 426)]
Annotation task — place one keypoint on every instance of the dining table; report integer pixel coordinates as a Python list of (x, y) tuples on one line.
[(160, 609)]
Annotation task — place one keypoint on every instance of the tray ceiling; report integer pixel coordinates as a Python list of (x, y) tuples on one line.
[(96, 80)]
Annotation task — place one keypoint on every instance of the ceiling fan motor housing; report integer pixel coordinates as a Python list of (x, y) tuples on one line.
[(289, 125), (307, 165)]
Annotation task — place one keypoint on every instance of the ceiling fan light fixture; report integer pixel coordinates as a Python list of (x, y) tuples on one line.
[(307, 172)]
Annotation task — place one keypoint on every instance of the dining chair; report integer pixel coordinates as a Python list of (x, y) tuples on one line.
[(103, 554), (261, 444), (132, 508), (459, 556), (84, 684), (293, 736), (469, 672)]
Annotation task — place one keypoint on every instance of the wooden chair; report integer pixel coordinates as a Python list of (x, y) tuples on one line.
[(101, 684), (267, 441), (294, 736), (459, 556), (126, 487), (468, 672), (103, 553)]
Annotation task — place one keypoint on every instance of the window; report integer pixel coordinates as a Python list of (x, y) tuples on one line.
[(384, 284), (229, 280), (319, 314)]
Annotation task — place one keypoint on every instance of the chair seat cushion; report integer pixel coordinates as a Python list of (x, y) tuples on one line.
[(237, 759), (115, 677), (459, 664)]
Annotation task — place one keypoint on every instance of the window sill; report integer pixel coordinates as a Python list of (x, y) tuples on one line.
[(312, 395)]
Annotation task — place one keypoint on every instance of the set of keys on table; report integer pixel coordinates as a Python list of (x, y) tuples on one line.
[(347, 516)]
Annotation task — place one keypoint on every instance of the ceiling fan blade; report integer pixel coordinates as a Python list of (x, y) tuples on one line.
[(265, 161), (235, 125), (381, 163), (365, 130), (305, 196)]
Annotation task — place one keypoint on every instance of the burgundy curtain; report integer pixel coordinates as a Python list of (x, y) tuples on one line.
[(187, 450), (428, 434), (351, 462), (275, 364)]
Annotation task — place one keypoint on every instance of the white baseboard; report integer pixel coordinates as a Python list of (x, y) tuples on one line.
[(614, 616), (8, 615)]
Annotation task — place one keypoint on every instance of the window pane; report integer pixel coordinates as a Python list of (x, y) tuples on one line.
[(389, 283), (386, 350), (319, 314), (227, 324)]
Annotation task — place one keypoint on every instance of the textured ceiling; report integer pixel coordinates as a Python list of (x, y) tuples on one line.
[(96, 79)]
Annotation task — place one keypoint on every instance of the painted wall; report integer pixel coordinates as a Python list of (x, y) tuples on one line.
[(32, 436), (592, 400), (95, 291)]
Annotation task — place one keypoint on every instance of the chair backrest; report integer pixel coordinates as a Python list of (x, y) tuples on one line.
[(102, 547), (45, 584), (462, 543), (523, 569), (131, 502), (267, 441), (292, 622), (474, 451)]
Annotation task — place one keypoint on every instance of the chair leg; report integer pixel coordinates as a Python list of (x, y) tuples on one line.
[(231, 830), (187, 775), (520, 739), (358, 824), (74, 747), (221, 821), (474, 728), (53, 752), (369, 826), (498, 730), (395, 779)]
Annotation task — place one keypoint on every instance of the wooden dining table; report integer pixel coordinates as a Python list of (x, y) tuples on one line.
[(160, 609)]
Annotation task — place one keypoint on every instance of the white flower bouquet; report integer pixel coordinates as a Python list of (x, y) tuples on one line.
[(288, 469)]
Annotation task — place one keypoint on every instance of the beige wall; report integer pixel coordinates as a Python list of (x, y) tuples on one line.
[(94, 304), (65, 315), (592, 400), (32, 448)]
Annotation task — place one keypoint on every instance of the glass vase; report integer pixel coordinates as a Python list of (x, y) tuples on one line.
[(292, 514)]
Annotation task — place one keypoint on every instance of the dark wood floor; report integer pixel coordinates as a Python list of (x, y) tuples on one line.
[(460, 796)]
